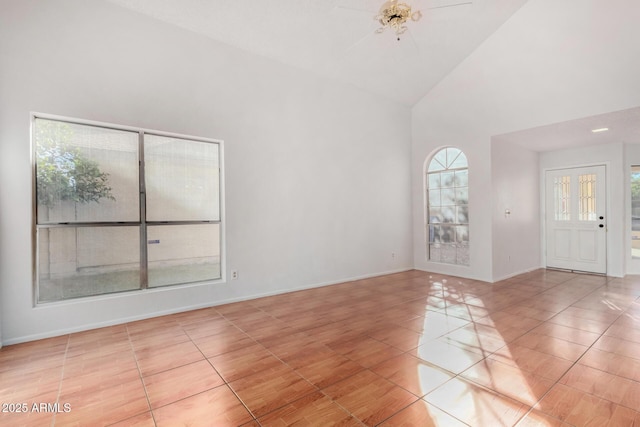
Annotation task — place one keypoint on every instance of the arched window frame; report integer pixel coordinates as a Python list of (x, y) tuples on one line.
[(446, 185)]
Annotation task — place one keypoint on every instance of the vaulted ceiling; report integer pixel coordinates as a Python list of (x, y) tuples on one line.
[(336, 38)]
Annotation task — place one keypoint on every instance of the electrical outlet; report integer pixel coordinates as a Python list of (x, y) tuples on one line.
[(234, 275), (393, 255)]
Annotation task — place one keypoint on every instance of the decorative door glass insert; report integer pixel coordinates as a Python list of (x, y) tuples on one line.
[(562, 197), (587, 197)]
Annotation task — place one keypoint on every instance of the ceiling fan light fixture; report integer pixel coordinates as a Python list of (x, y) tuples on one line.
[(394, 15)]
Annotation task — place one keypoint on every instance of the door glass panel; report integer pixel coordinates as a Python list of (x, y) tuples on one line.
[(562, 198), (587, 197)]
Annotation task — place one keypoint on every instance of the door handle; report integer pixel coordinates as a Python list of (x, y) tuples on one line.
[(601, 225)]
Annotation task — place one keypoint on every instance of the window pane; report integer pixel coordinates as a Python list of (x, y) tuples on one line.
[(447, 234), (448, 197), (85, 173), (462, 234), (182, 179), (434, 198), (452, 156), (448, 254), (462, 196), (459, 161), (435, 232), (434, 252), (82, 261), (462, 254), (448, 214), (463, 215), (434, 180), (635, 211), (435, 215), (462, 178), (447, 179), (438, 162), (183, 253)]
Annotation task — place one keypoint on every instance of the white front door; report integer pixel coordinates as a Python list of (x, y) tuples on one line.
[(576, 228)]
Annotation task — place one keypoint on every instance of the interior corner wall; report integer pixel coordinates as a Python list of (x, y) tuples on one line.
[(515, 80), (317, 179), (516, 223)]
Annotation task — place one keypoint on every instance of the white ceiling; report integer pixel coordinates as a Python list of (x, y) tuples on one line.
[(623, 127), (336, 39)]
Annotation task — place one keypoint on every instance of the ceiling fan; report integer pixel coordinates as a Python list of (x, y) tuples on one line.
[(394, 15)]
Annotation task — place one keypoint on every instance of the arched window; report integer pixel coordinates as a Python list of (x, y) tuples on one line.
[(447, 215)]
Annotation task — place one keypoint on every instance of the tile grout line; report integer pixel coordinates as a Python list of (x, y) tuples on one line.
[(144, 386), (576, 362), (225, 382), (228, 384), (64, 363), (318, 389), (531, 407)]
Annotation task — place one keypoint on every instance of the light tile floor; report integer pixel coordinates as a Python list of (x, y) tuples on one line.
[(546, 348)]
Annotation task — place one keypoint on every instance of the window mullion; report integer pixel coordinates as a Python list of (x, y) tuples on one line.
[(144, 266)]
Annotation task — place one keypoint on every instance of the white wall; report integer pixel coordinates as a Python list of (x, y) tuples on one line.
[(610, 155), (317, 173), (516, 236), (550, 62)]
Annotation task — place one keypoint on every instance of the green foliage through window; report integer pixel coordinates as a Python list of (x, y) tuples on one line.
[(63, 172)]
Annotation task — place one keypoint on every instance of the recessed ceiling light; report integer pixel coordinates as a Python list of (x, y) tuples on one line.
[(599, 130)]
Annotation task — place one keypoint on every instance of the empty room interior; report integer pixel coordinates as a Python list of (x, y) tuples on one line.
[(320, 212)]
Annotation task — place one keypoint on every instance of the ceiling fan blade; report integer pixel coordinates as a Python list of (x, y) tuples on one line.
[(450, 5)]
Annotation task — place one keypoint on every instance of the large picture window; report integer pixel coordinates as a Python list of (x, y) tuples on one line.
[(447, 207), (122, 209)]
